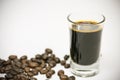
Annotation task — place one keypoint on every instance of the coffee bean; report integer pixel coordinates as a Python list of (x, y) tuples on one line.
[(44, 56), (30, 74), (35, 72), (9, 76), (33, 64), (48, 50), (38, 56), (57, 60), (23, 57), (64, 77), (8, 67), (27, 69), (52, 56), (52, 72), (60, 72), (33, 59), (38, 68), (33, 78), (48, 67), (71, 78), (66, 57), (48, 75), (43, 71), (2, 78), (12, 57), (63, 62), (67, 65), (52, 64)]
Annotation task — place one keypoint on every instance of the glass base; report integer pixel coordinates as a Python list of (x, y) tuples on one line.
[(85, 70)]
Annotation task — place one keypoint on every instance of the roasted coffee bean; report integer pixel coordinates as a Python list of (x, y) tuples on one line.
[(35, 72), (39, 61), (38, 56), (9, 76), (48, 50), (33, 64), (48, 68), (2, 70), (52, 56), (67, 65), (33, 78), (64, 77), (24, 61), (60, 72), (27, 69), (48, 75), (71, 78), (23, 57), (43, 71), (38, 68), (8, 67), (52, 72), (63, 62), (12, 57), (52, 64), (30, 74), (18, 64), (2, 78), (18, 70), (49, 59), (6, 62), (66, 57), (44, 56), (33, 59), (57, 60), (12, 72)]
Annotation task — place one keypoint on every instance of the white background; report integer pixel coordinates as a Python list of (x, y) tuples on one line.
[(27, 27)]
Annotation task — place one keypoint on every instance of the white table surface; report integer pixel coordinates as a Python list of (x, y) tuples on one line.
[(27, 27)]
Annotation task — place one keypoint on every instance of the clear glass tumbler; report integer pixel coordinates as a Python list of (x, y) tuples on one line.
[(85, 38)]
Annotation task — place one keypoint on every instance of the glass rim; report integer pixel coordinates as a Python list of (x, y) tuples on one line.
[(74, 22)]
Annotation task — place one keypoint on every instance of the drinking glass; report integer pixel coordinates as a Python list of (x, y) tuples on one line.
[(85, 40)]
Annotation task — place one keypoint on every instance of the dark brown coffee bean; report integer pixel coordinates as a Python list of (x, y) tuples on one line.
[(27, 69), (52, 56), (18, 64), (64, 77), (33, 78), (12, 72), (66, 57), (8, 68), (38, 68), (38, 56), (2, 78), (48, 50), (6, 62), (49, 59), (52, 64), (24, 61), (35, 72), (52, 72), (33, 64), (33, 59), (23, 57), (9, 76), (44, 56), (48, 68), (67, 65), (57, 60), (60, 72), (71, 78), (48, 75), (12, 57), (43, 71), (30, 74), (43, 65), (63, 62)]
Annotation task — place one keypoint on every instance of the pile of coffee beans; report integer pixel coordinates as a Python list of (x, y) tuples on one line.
[(23, 68)]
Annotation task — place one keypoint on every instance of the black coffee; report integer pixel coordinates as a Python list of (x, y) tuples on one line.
[(85, 42)]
